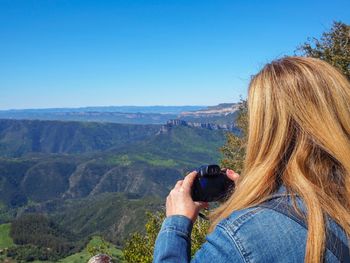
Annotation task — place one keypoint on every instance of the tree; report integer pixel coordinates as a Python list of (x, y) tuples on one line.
[(100, 248), (139, 247), (333, 47), (234, 149)]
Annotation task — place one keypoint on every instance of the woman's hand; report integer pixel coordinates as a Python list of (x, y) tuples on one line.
[(232, 175), (179, 200)]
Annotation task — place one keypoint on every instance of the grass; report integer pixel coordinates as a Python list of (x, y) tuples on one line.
[(80, 257), (127, 160), (155, 160), (122, 160), (5, 239)]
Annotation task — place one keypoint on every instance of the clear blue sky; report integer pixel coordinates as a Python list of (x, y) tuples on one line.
[(71, 53)]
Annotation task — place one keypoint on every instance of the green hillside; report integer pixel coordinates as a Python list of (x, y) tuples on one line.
[(19, 137), (112, 215), (181, 147), (147, 167), (92, 179)]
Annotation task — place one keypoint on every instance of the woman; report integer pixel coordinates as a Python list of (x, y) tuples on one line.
[(297, 155)]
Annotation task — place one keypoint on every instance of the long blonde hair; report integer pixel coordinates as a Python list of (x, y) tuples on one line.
[(299, 136)]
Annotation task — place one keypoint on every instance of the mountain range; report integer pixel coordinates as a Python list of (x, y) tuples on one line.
[(101, 177), (220, 114)]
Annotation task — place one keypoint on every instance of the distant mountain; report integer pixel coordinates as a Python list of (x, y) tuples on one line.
[(115, 114), (89, 116), (221, 114), (218, 110), (121, 109)]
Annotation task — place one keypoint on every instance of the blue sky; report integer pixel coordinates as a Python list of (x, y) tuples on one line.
[(71, 53)]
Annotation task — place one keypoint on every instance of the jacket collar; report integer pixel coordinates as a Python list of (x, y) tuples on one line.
[(282, 191)]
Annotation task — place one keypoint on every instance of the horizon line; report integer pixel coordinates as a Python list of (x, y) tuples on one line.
[(108, 106)]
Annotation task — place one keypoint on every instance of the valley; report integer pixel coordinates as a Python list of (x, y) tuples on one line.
[(98, 178)]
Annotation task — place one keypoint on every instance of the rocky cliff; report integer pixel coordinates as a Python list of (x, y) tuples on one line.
[(210, 126)]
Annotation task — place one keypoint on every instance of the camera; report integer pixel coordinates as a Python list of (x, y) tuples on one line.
[(211, 184)]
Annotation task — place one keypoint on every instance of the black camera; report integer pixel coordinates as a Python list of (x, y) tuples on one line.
[(211, 184)]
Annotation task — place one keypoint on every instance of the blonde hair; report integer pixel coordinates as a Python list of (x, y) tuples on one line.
[(299, 136)]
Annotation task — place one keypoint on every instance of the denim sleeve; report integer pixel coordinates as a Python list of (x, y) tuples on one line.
[(173, 244)]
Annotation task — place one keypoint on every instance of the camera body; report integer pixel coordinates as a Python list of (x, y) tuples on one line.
[(211, 184)]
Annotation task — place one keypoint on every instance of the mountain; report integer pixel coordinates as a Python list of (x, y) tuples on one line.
[(115, 114), (121, 109), (113, 215), (217, 110), (98, 178), (140, 160), (30, 136), (224, 113)]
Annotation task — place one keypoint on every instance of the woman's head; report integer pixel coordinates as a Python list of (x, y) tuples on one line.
[(299, 136), (299, 111)]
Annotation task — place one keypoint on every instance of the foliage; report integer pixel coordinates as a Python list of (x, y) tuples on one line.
[(30, 253), (199, 232), (139, 247), (234, 149), (333, 47), (98, 245), (94, 249)]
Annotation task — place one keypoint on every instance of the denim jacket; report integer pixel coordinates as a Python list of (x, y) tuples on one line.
[(255, 234)]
